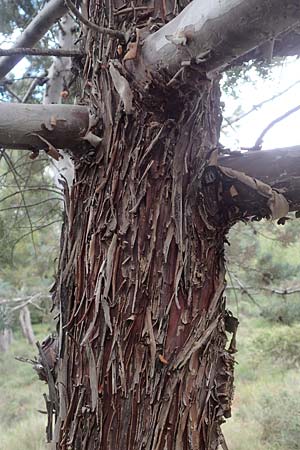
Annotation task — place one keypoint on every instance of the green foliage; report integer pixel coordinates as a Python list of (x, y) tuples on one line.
[(280, 344), (22, 427), (285, 310), (266, 409), (246, 73), (31, 213), (17, 14)]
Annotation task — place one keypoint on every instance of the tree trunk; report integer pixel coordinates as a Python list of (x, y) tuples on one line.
[(143, 356), (26, 326), (143, 360), (6, 337), (144, 363)]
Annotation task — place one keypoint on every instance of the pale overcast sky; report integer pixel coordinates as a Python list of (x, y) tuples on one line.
[(285, 133)]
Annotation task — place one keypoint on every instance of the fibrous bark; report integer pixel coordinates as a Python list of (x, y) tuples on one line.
[(143, 355), (143, 359), (142, 351)]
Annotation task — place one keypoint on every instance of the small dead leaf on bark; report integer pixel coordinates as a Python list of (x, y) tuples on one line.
[(64, 94), (51, 151), (132, 48), (233, 191), (163, 360), (34, 154)]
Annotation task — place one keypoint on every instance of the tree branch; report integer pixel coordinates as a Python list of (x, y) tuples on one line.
[(229, 123), (276, 291), (259, 140), (93, 26), (214, 33), (39, 52), (279, 168), (52, 11), (63, 126)]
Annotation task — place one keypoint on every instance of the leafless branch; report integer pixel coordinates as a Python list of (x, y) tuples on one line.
[(244, 290), (39, 52), (21, 302), (277, 291), (259, 140), (32, 205), (10, 164), (32, 231), (37, 188), (13, 94), (93, 26), (258, 106), (38, 26)]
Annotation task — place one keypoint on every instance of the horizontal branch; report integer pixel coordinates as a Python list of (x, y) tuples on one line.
[(39, 52), (64, 126), (32, 126), (279, 168), (276, 291), (214, 33)]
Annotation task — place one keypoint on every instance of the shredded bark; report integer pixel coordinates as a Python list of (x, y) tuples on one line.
[(143, 350)]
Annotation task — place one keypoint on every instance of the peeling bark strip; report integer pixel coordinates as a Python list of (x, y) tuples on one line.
[(141, 276)]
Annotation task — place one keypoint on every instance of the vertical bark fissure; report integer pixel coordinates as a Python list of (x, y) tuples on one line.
[(142, 331)]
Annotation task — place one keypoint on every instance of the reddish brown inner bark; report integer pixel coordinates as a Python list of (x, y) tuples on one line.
[(143, 362)]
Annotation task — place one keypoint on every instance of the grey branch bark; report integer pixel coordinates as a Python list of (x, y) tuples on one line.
[(52, 11), (39, 52), (25, 126), (213, 33)]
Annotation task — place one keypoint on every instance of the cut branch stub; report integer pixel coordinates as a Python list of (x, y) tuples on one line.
[(279, 168), (64, 126), (231, 196)]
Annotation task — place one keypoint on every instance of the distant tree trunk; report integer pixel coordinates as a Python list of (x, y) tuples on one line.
[(6, 337), (59, 77), (26, 326)]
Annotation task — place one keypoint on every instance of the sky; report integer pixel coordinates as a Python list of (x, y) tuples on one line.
[(245, 132)]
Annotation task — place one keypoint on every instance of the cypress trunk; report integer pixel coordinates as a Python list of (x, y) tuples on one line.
[(143, 361)]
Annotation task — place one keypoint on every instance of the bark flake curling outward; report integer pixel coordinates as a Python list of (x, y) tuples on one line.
[(141, 275)]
